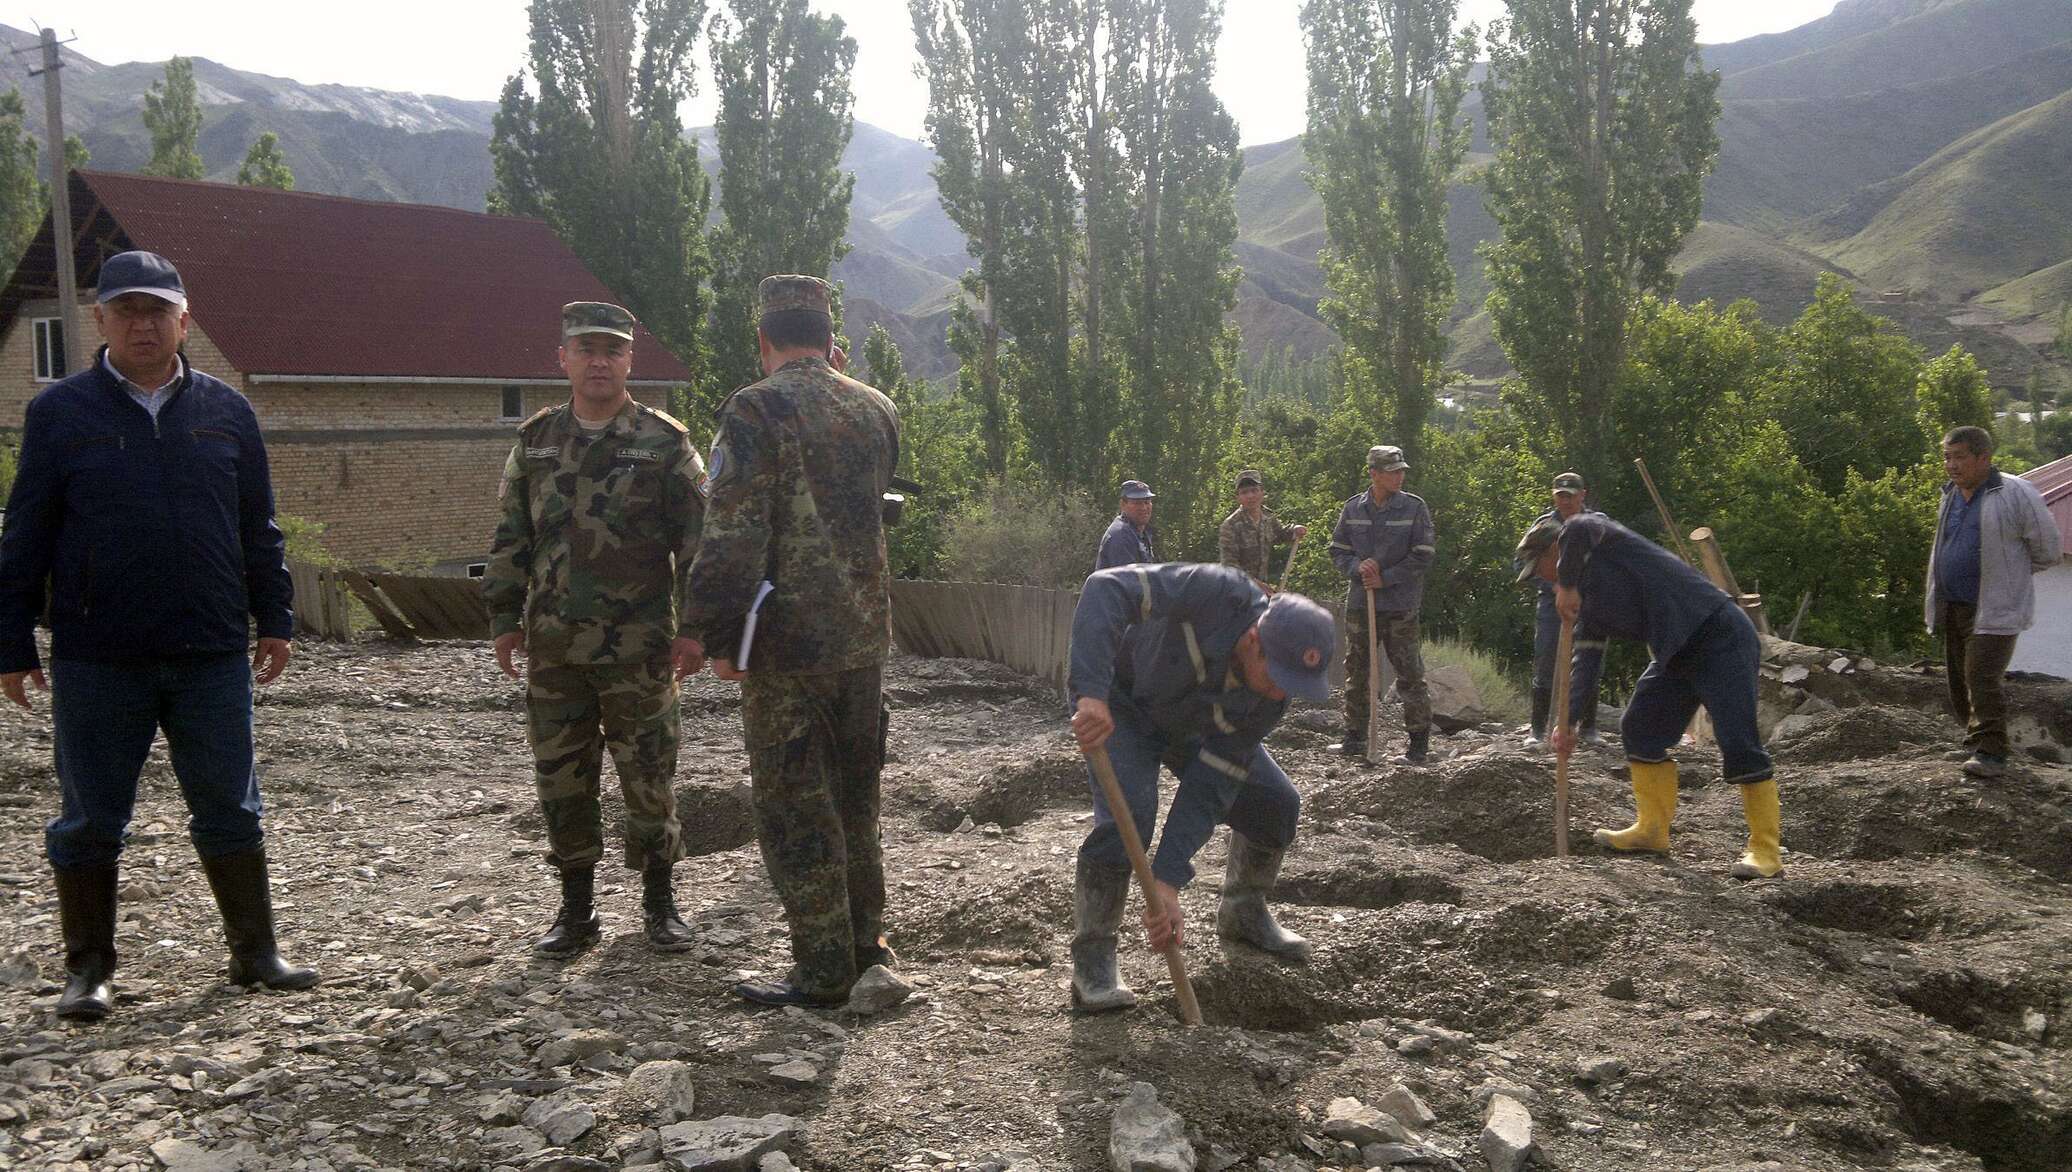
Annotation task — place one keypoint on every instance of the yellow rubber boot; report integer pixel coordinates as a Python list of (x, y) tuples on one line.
[(1761, 860), (1654, 800)]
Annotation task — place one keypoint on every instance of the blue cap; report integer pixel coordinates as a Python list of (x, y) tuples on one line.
[(140, 272), (1136, 490), (1297, 636)]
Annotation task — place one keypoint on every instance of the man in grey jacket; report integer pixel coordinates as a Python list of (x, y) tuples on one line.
[(1991, 533)]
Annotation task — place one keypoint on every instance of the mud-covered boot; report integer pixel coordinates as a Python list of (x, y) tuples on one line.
[(86, 915), (1542, 704), (577, 925), (1243, 914), (1420, 748), (666, 931), (1098, 898), (1352, 745), (245, 898), (1654, 801), (1763, 859)]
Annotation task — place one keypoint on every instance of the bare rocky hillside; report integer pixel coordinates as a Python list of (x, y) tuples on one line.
[(1899, 1000)]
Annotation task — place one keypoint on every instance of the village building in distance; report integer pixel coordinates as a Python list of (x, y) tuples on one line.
[(390, 349)]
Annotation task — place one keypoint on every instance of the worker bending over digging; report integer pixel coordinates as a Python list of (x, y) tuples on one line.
[(1190, 666), (1610, 581)]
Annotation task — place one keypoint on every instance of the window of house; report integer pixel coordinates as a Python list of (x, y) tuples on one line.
[(514, 402), (49, 333)]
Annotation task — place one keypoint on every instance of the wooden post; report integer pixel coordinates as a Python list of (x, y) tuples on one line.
[(1670, 529), (1564, 652), (1373, 683), (1290, 567), (1126, 826), (1714, 562), (1791, 633)]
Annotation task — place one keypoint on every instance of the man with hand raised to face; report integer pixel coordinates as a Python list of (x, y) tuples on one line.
[(1189, 666), (143, 499)]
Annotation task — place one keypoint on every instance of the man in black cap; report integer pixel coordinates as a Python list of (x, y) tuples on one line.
[(1247, 536), (1571, 498), (1128, 539), (1189, 666), (143, 499)]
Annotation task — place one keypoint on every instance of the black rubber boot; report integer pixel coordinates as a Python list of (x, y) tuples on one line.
[(1243, 914), (1351, 745), (1098, 898), (1419, 750), (576, 925), (789, 991), (86, 914), (878, 951), (666, 931), (245, 898), (1542, 704)]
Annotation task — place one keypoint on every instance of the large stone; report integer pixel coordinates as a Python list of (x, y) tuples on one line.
[(1408, 1110), (179, 1155), (656, 1092), (1598, 1069), (1456, 702), (564, 1124), (877, 990), (729, 1143), (1506, 1134), (1144, 1136), (1351, 1121), (578, 1045)]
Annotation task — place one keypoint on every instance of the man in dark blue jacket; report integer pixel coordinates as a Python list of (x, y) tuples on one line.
[(1611, 581), (1190, 667), (142, 499), (1128, 539)]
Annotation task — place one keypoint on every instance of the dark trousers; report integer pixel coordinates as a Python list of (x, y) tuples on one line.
[(1716, 669), (1264, 807), (816, 746), (1977, 668), (105, 717), (1546, 644), (1404, 647)]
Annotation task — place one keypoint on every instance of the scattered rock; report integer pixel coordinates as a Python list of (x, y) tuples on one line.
[(1456, 702), (1351, 1121), (560, 1120), (1598, 1069), (1144, 1136), (877, 990), (1491, 1088), (1403, 1104), (179, 1155), (2034, 1023), (660, 1092), (1796, 673), (1390, 1155), (1621, 989), (775, 1162), (729, 1143), (1768, 1017), (798, 1073), (19, 970), (1506, 1134), (1839, 664), (1416, 1046), (506, 1108), (578, 1045)]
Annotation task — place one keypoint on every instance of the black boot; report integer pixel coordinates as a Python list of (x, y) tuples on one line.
[(576, 925), (86, 913), (246, 901), (1352, 745), (1098, 897), (1420, 747), (1243, 914), (1542, 704), (666, 932), (878, 951)]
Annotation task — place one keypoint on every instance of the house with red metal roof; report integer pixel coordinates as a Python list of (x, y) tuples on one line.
[(390, 349)]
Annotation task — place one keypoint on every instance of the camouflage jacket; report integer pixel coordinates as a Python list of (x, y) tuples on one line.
[(799, 471), (597, 530), (1247, 544)]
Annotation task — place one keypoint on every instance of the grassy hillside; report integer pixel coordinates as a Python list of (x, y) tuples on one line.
[(1985, 210), (1723, 263), (1943, 40), (2045, 291)]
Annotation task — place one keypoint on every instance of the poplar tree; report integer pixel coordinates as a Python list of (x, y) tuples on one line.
[(265, 166), (784, 120), (1602, 117), (24, 196), (172, 113), (599, 153), (1386, 79)]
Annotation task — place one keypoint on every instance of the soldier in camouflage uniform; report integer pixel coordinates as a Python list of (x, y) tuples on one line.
[(1247, 536), (601, 510), (1384, 542), (799, 472)]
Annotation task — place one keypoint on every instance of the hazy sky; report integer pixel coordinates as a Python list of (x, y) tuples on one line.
[(466, 48)]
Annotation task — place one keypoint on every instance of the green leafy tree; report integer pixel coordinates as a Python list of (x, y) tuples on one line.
[(599, 153), (172, 113), (785, 116), (265, 166), (1951, 392), (1386, 79), (24, 196), (1603, 124), (1845, 389)]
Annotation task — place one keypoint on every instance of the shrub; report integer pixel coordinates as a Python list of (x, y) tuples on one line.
[(1030, 535)]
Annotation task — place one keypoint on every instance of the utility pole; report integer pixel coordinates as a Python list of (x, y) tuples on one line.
[(60, 203)]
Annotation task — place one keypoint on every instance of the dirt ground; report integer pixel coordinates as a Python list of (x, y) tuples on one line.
[(1901, 999)]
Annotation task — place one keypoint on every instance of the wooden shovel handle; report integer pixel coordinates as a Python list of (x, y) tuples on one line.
[(1126, 826), (1563, 653)]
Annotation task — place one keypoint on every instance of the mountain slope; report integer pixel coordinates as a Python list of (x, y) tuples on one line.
[(1942, 40)]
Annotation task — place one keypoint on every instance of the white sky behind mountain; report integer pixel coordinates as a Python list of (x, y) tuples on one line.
[(466, 48)]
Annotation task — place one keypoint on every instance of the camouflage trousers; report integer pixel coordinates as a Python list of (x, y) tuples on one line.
[(573, 711), (1404, 647), (816, 744)]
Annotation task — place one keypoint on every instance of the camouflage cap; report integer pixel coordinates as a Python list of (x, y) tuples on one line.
[(1383, 458), (595, 317), (1568, 482), (794, 291), (1250, 476), (1537, 541)]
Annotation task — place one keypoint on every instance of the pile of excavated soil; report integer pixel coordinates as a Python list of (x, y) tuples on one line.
[(1901, 999)]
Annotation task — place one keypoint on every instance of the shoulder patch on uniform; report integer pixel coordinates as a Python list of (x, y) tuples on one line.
[(541, 414), (666, 419)]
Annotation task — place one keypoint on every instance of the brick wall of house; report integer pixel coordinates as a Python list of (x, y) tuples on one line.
[(18, 382)]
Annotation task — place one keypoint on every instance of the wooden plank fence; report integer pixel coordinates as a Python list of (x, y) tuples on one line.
[(323, 606), (421, 607)]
